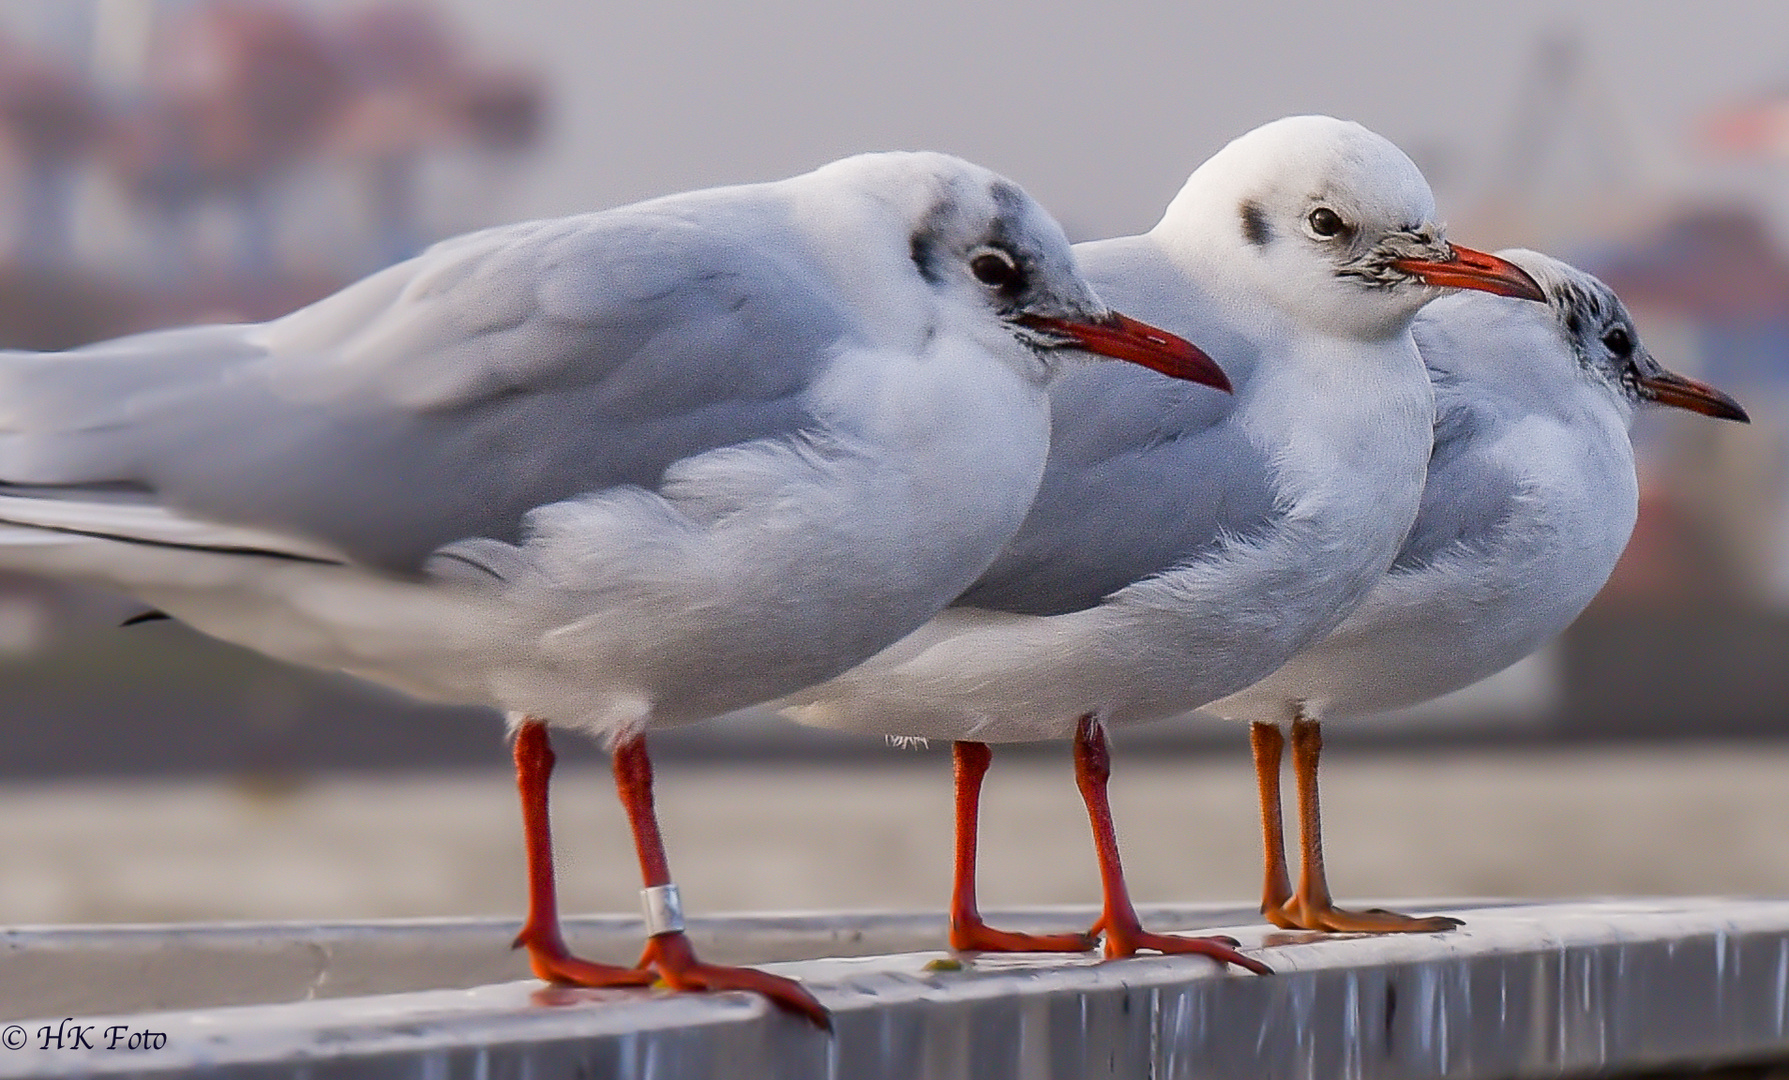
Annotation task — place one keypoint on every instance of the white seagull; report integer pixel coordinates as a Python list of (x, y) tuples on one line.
[(611, 472), (1529, 501), (1184, 544)]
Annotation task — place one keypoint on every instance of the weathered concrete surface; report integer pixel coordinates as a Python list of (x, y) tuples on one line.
[(1543, 990), (126, 969)]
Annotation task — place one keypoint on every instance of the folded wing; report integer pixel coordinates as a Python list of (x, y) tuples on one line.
[(441, 399), (1145, 473)]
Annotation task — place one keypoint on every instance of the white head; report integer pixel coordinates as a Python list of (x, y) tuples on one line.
[(938, 239), (1329, 223), (1600, 336)]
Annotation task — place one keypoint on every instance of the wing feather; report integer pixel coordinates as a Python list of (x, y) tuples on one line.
[(1144, 472), (447, 396)]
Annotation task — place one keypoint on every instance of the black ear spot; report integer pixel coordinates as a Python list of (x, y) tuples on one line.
[(921, 249), (1254, 225)]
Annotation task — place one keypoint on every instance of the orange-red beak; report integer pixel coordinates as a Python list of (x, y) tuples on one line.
[(1123, 338), (1667, 388), (1470, 269)]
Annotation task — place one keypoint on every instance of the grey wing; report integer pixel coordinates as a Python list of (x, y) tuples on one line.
[(1145, 473), (1470, 491), (445, 397)]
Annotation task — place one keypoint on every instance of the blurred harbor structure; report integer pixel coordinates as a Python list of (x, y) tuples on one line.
[(170, 160), (1689, 228), (167, 161)]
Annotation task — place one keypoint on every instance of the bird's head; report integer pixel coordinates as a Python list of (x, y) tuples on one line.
[(999, 267), (1602, 337), (1330, 223)]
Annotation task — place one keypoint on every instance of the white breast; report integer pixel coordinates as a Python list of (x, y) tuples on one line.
[(1351, 443)]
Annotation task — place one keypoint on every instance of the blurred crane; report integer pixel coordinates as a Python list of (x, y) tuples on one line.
[(1572, 164)]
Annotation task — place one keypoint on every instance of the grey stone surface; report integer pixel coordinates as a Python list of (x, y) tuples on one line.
[(1540, 990), (126, 969)]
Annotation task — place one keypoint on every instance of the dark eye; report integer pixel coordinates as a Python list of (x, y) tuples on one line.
[(997, 270), (1618, 342), (1326, 222)]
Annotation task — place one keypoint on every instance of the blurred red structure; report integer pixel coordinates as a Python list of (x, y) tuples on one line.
[(1756, 128), (51, 120), (239, 94), (242, 102), (415, 92), (1713, 264)]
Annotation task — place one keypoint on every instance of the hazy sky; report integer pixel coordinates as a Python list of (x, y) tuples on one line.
[(1100, 109)]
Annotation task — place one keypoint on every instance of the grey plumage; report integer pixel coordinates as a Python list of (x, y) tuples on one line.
[(621, 470), (1100, 521), (1495, 366), (444, 397), (1529, 501), (1469, 494)]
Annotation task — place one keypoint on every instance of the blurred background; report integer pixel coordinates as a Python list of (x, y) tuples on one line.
[(172, 161)]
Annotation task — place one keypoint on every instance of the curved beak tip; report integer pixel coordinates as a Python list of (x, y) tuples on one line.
[(1123, 338), (1473, 269), (1679, 392)]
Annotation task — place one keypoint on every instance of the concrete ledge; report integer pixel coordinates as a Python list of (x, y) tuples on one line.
[(1542, 990), (130, 969)]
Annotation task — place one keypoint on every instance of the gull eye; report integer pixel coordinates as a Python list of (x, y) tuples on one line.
[(997, 270), (1618, 342), (1326, 222)]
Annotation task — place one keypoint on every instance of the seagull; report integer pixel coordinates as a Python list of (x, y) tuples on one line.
[(611, 472), (1183, 543), (1530, 499)]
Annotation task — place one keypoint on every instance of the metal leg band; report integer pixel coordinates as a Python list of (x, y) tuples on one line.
[(663, 910)]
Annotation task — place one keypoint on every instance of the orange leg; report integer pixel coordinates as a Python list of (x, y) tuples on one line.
[(668, 950), (1267, 743), (668, 955), (540, 935), (1311, 907), (1124, 931), (967, 931)]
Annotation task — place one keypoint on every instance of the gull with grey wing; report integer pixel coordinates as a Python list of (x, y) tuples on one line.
[(1530, 498), (609, 472), (1184, 544)]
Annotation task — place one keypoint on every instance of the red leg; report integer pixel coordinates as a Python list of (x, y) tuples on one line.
[(1124, 931), (669, 951), (1311, 907), (540, 935), (1267, 743), (967, 931)]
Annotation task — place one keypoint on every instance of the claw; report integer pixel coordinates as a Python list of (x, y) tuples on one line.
[(552, 962), (675, 961), (1297, 914), (1219, 948), (980, 937)]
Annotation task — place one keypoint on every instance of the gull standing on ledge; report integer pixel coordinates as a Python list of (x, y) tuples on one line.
[(611, 472), (1530, 499), (1184, 544)]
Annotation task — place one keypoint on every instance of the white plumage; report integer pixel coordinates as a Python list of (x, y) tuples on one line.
[(615, 471), (1529, 501), (1184, 545)]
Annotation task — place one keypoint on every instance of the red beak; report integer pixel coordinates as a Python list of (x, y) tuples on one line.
[(1470, 269), (1124, 338), (1679, 392)]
